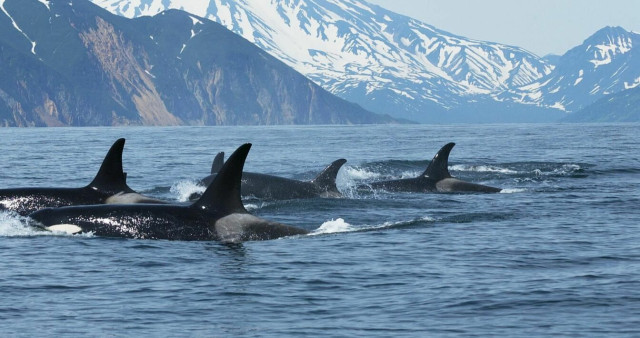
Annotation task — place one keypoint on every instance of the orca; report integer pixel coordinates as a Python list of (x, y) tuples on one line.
[(271, 187), (435, 179), (108, 186), (218, 215)]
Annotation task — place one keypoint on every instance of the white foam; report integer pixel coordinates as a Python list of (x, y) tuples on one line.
[(185, 188), (410, 174), (567, 168), (339, 225), (12, 225), (512, 191), (349, 177), (255, 206), (564, 170), (400, 223), (251, 206), (359, 173), (333, 226), (482, 169)]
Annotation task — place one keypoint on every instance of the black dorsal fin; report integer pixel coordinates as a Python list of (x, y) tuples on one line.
[(439, 167), (223, 194), (110, 177), (218, 161), (326, 180)]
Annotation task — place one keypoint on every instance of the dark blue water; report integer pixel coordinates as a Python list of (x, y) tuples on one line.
[(558, 253)]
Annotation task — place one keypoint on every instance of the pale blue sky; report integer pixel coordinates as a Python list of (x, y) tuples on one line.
[(540, 26)]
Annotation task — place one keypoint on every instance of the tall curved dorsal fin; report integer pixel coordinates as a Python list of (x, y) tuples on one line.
[(326, 180), (223, 194), (439, 167), (111, 177), (218, 161)]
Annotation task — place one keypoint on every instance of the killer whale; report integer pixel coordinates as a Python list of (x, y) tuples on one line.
[(108, 186), (436, 178), (279, 188), (218, 215)]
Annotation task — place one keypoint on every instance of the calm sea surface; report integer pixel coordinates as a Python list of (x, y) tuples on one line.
[(557, 253)]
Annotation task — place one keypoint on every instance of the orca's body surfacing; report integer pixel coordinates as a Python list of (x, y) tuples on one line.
[(108, 186), (279, 188), (435, 179), (218, 215)]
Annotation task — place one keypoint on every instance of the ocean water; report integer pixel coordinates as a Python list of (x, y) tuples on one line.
[(556, 253)]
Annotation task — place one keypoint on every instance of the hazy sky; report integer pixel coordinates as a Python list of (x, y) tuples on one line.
[(540, 26)]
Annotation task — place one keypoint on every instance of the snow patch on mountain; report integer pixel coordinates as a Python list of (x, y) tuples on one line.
[(602, 65), (46, 3), (633, 84), (15, 25), (363, 52), (391, 63)]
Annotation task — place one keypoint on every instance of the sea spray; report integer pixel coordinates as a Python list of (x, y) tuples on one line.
[(333, 226), (185, 188), (482, 169), (12, 224)]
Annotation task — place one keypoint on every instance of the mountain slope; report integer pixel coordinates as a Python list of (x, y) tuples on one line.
[(607, 62), (384, 61), (73, 63), (620, 107)]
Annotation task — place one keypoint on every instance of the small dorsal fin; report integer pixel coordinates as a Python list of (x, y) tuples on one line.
[(439, 167), (223, 194), (218, 161), (326, 180), (110, 177)]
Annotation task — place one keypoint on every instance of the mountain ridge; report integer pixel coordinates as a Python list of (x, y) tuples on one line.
[(604, 63), (619, 107), (74, 63), (384, 61)]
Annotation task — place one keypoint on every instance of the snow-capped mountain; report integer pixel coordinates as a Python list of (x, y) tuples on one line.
[(361, 52), (605, 63), (72, 63), (619, 107)]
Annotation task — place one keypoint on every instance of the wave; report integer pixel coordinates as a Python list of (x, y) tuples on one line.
[(333, 226), (512, 190), (14, 225), (340, 225), (185, 188), (525, 169), (349, 178), (564, 169), (618, 171), (482, 169), (256, 204), (402, 224), (409, 174), (358, 173)]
